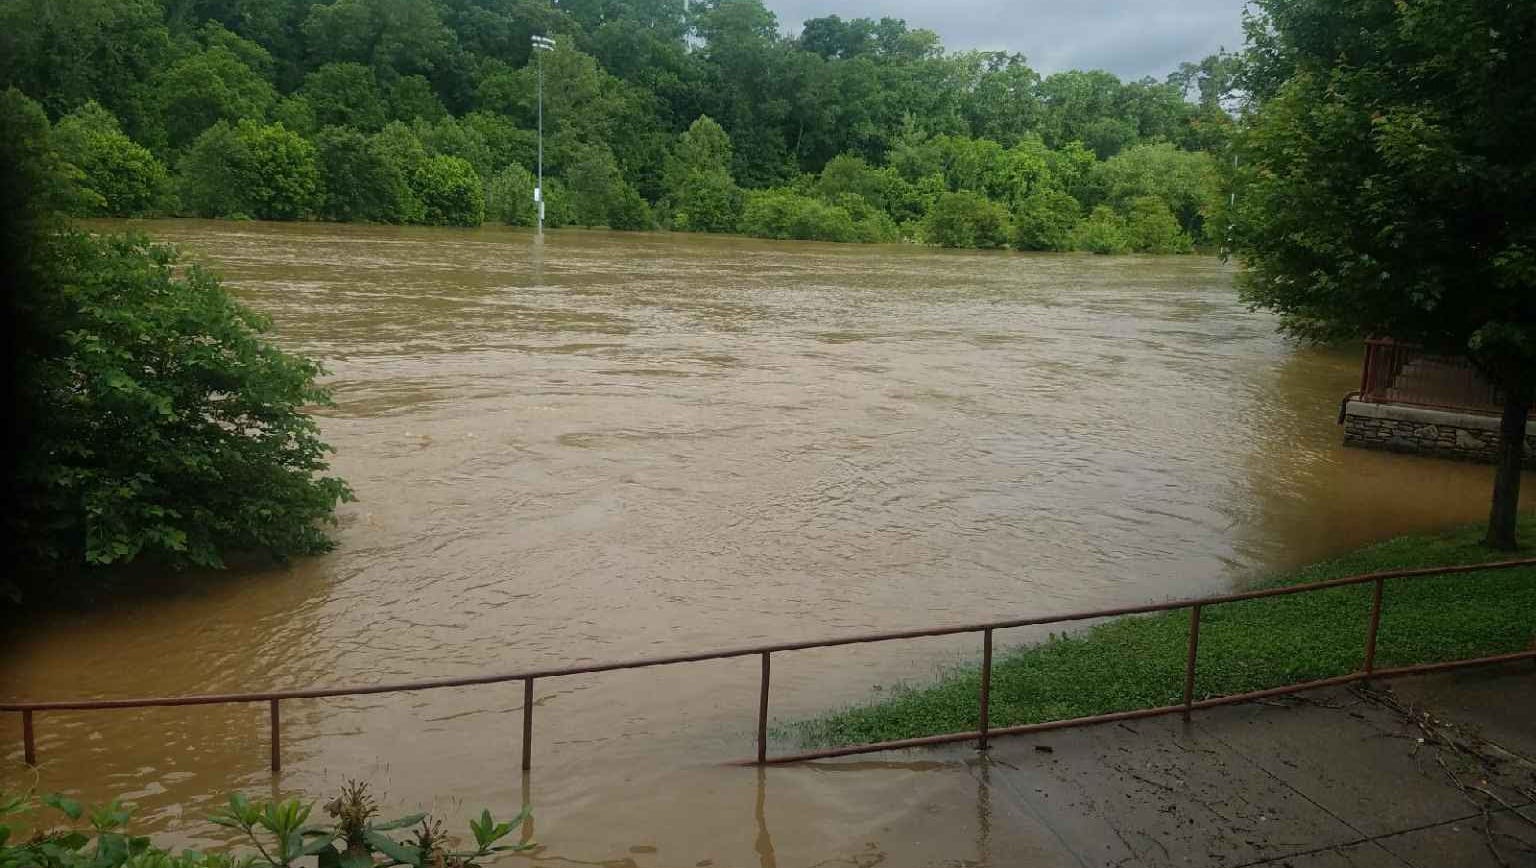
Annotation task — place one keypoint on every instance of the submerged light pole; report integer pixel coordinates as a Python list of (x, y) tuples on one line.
[(541, 44)]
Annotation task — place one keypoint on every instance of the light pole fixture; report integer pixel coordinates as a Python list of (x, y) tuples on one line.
[(541, 44)]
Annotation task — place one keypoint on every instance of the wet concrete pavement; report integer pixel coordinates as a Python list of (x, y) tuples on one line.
[(1336, 777)]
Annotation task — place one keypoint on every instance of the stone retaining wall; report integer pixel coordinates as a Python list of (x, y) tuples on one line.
[(1423, 431)]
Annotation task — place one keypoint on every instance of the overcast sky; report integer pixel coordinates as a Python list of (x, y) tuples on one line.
[(1130, 38)]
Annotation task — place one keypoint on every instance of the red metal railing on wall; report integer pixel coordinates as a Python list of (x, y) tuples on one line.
[(1397, 373), (981, 736)]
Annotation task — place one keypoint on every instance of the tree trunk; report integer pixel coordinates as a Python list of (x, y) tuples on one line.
[(1506, 482)]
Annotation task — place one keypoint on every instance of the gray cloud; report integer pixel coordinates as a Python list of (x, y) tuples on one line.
[(1131, 38)]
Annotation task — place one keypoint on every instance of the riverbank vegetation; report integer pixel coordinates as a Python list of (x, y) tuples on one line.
[(151, 418), (701, 117), (1138, 662), (277, 833)]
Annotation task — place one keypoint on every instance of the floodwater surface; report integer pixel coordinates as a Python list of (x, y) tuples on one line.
[(608, 446)]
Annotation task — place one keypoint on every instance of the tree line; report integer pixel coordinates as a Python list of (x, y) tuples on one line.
[(697, 117)]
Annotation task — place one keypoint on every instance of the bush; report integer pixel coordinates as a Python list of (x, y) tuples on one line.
[(871, 225), (163, 424), (966, 220), (1152, 228), (706, 201), (849, 173), (250, 170), (122, 179), (356, 181), (701, 193), (630, 212), (404, 155), (1103, 232), (595, 185), (1183, 180), (786, 215), (509, 197), (1045, 220), (451, 193)]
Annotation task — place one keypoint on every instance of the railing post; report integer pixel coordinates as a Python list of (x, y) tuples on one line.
[(1375, 625), (1189, 661), (28, 742), (527, 724), (277, 728), (762, 711), (986, 687)]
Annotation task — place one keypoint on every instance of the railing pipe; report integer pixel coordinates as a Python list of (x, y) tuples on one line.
[(1189, 659), (472, 680), (28, 739), (1372, 629), (762, 710), (527, 724), (277, 728), (27, 709), (986, 689)]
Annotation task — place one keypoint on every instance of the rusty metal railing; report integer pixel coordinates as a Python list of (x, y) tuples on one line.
[(981, 736), (1398, 373)]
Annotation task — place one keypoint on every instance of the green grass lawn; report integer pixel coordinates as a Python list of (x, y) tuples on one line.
[(1138, 662)]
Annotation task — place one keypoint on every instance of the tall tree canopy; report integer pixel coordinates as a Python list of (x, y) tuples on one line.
[(628, 80), (1386, 175)]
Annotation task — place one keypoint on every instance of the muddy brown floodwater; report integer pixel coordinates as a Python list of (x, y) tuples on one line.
[(614, 445)]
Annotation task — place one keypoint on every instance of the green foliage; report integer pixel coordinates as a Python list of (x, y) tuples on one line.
[(966, 220), (102, 50), (691, 105), (1391, 196), (403, 157), (357, 181), (706, 201), (250, 170), (345, 95), (1150, 227), (629, 212), (295, 113), (1184, 181), (849, 173), (509, 197), (1045, 220), (783, 214), (121, 178), (1138, 662), (1384, 171), (450, 192), (278, 832), (702, 195), (407, 37), (210, 86), (412, 97), (595, 183), (166, 425), (1103, 232)]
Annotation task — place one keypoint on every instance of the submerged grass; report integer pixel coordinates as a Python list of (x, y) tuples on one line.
[(1138, 662)]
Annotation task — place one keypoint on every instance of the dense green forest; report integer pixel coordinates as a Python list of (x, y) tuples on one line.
[(696, 117)]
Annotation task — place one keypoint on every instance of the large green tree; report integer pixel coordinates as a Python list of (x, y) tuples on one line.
[(250, 170), (155, 419), (701, 193), (206, 87), (121, 178), (1387, 170)]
